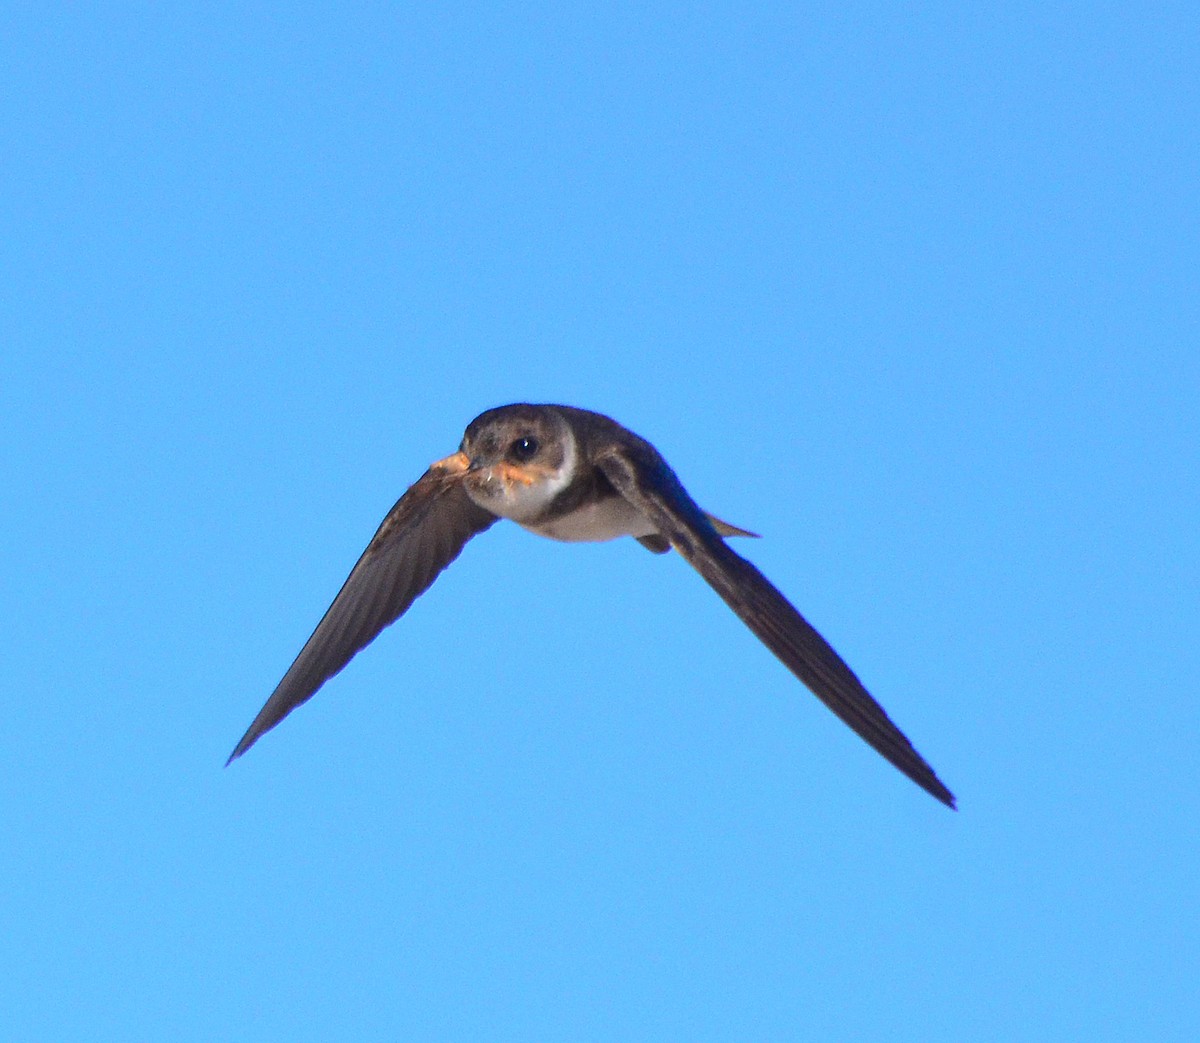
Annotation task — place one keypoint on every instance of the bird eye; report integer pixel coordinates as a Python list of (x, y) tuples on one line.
[(523, 448)]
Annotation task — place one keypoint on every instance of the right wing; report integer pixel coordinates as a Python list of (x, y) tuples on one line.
[(420, 536), (641, 475)]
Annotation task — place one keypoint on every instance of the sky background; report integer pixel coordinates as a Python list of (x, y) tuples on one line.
[(911, 290)]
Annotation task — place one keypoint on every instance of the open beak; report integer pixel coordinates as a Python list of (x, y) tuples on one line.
[(458, 463), (510, 473)]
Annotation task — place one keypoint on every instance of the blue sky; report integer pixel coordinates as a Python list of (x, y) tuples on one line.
[(909, 290)]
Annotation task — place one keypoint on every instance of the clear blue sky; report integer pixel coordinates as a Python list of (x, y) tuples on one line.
[(911, 290)]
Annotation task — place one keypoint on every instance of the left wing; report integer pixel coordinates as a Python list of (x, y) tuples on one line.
[(420, 536), (643, 477)]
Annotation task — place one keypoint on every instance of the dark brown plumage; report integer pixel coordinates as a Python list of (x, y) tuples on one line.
[(572, 475), (420, 536)]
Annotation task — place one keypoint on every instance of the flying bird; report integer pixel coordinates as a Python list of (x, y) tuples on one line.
[(571, 475)]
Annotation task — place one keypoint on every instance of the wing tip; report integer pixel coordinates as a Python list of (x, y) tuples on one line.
[(947, 798), (934, 786), (246, 742)]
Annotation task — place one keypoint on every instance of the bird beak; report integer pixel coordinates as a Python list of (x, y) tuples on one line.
[(458, 463), (510, 473)]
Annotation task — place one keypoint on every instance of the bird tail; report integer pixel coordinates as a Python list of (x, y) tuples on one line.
[(725, 529)]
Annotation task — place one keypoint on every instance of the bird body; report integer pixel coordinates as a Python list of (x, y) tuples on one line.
[(571, 475)]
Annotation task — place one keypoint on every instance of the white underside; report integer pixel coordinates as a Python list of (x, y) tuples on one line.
[(518, 500), (592, 523), (596, 522)]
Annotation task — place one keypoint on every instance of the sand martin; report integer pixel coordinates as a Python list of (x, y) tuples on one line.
[(571, 475)]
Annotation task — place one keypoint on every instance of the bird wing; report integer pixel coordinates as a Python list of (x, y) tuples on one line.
[(641, 475), (425, 531)]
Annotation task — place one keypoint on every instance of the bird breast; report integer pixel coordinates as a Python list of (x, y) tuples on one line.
[(595, 522)]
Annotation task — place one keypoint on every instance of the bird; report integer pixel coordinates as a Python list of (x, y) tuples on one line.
[(571, 475)]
